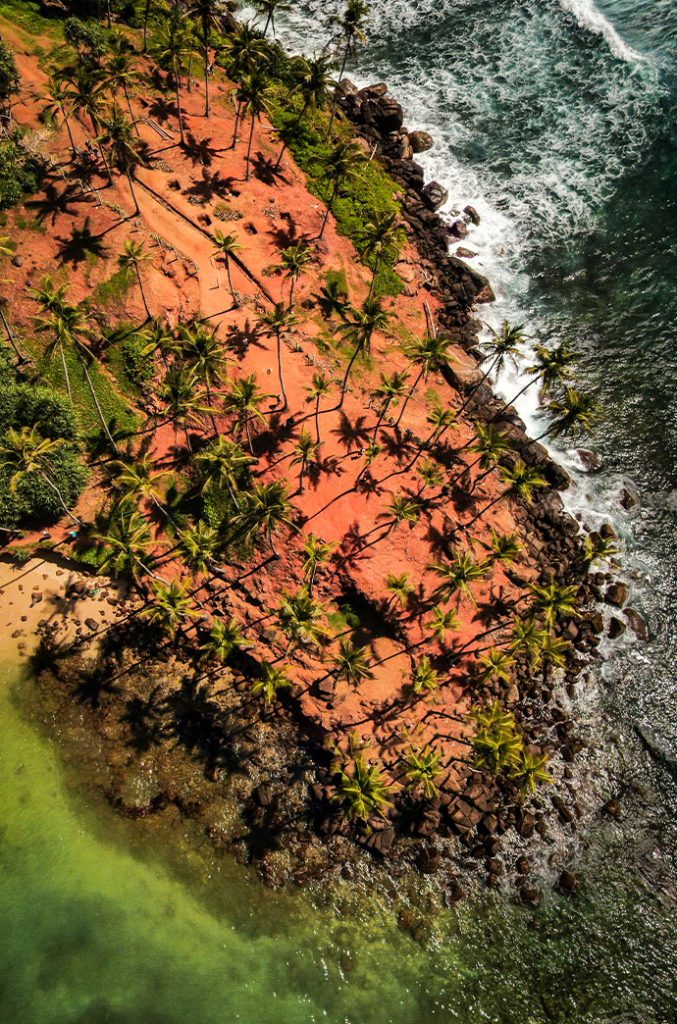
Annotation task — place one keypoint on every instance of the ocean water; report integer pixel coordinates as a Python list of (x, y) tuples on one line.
[(557, 121)]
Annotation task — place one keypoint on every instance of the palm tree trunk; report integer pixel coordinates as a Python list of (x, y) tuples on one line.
[(10, 337), (373, 276), (249, 148), (206, 46), (317, 418), (279, 371), (328, 210), (108, 14), (137, 209), (477, 386), (236, 126), (406, 401), (146, 16), (379, 421), (344, 384), (177, 88), (142, 290), (67, 122), (291, 290), (65, 372), (334, 101), (129, 108), (230, 281), (50, 483), (97, 405)]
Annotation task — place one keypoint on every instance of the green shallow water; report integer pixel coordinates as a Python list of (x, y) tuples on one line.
[(102, 924)]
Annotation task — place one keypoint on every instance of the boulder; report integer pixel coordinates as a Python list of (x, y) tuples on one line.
[(617, 594), (568, 882), (459, 229), (381, 842), (421, 142), (472, 213), (435, 195), (263, 794), (628, 496), (590, 461), (465, 254), (637, 624), (373, 92), (390, 116), (616, 628)]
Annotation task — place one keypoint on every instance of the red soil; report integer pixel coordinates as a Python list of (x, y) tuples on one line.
[(182, 280)]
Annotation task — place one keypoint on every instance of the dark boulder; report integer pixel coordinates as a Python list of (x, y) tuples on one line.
[(568, 882), (590, 461), (637, 624), (617, 594), (421, 141), (435, 195)]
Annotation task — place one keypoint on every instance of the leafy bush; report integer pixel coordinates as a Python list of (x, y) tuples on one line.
[(26, 405), (19, 173), (137, 362), (35, 504)]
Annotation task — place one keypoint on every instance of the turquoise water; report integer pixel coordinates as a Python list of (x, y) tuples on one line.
[(557, 120), (105, 924)]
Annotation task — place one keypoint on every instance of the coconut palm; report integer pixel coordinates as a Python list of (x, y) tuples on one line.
[(504, 547), (295, 261), (370, 454), (251, 96), (491, 444), (171, 606), (132, 255), (174, 48), (504, 346), (184, 400), (267, 509), (301, 619), (459, 574), (119, 72), (551, 365), (51, 299), (125, 150), (379, 236), (554, 650), (305, 453), (431, 474), (313, 81), (199, 545), (440, 418), (422, 769), (522, 481), (352, 31), (342, 163), (225, 636), (530, 769), (268, 9), (424, 679), (318, 553), (244, 399), (203, 351), (126, 544), (496, 742), (158, 336), (359, 330), (271, 683), (58, 106), (599, 549), (402, 509), (389, 392), (223, 465), (362, 788), (24, 452), (226, 245), (84, 96), (138, 481), (400, 588), (573, 413), (320, 387), (351, 663), (209, 16), (430, 354), (4, 306), (554, 601), (528, 637), (275, 323)]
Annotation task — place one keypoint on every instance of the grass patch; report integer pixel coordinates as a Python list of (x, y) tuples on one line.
[(128, 361), (112, 292), (27, 14)]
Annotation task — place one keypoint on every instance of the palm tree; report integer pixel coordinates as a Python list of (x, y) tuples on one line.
[(422, 769), (320, 387), (203, 351), (199, 544), (573, 412), (184, 399), (51, 299), (132, 256), (146, 18), (272, 681), (425, 679), (505, 547), (295, 261), (400, 588), (341, 164), (522, 481), (305, 453), (170, 607), (490, 445), (278, 321), (318, 552), (23, 453), (223, 463), (530, 769), (4, 305), (124, 148), (389, 391), (362, 788), (351, 663), (267, 509), (503, 346), (550, 367), (119, 72), (210, 19), (379, 236), (402, 509), (84, 95), (431, 474), (554, 601), (528, 637), (459, 575), (226, 245), (431, 354), (225, 636), (554, 650), (352, 31), (138, 481), (269, 8), (58, 106), (313, 81), (244, 400), (174, 48), (126, 544), (252, 98), (300, 618), (360, 330)]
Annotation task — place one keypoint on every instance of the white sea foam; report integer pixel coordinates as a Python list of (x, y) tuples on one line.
[(590, 17)]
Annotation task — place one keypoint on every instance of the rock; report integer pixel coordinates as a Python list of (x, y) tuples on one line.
[(613, 809), (628, 496), (459, 229), (522, 865), (17, 261), (347, 88), (590, 460), (472, 213), (381, 842), (263, 794), (607, 531), (465, 254), (421, 142), (565, 814), (326, 687), (568, 882), (530, 895), (92, 624), (390, 115), (616, 628), (435, 195), (596, 621), (637, 624), (617, 594), (429, 860), (373, 92)]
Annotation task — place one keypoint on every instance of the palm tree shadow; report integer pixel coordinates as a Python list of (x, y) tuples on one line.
[(199, 151), (277, 433), (498, 606), (162, 108), (80, 245), (266, 170), (94, 685), (57, 203), (144, 721), (352, 435), (239, 338), (210, 186), (284, 237)]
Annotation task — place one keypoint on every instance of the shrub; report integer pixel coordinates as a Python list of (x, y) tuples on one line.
[(26, 405), (137, 362), (34, 503), (19, 173)]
